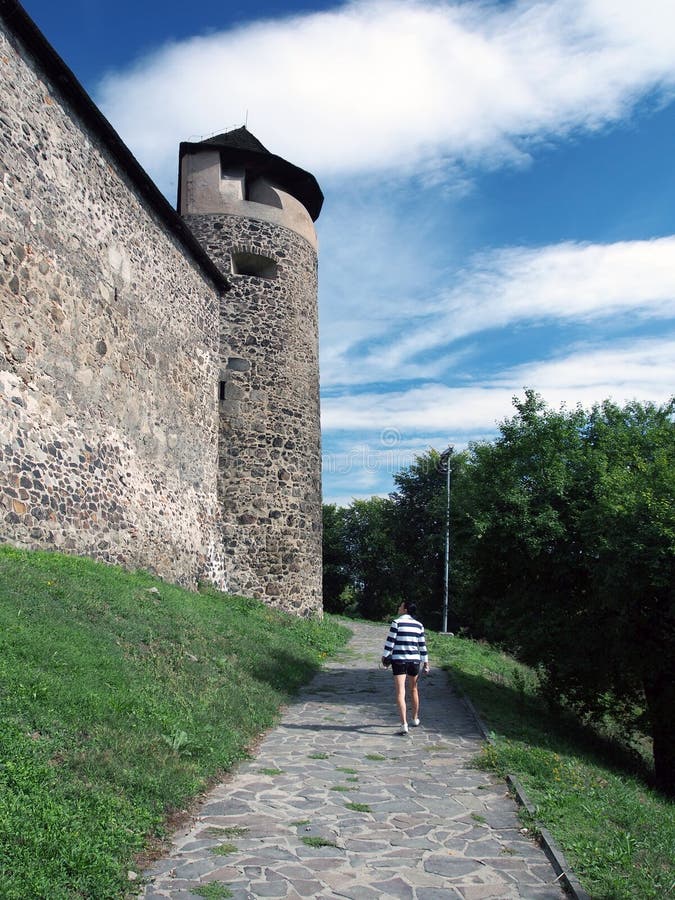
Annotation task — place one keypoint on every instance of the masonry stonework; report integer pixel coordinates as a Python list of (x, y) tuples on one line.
[(117, 439), (269, 453)]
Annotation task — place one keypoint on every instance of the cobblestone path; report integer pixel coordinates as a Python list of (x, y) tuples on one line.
[(402, 816)]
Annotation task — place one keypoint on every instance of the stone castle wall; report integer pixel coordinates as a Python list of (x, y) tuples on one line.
[(109, 368), (270, 453)]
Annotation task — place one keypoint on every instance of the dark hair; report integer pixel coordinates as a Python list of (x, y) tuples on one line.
[(410, 607)]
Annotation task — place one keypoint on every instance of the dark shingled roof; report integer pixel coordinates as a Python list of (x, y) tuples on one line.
[(238, 139), (62, 81), (240, 147)]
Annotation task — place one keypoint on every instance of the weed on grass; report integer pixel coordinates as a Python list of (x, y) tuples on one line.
[(347, 770), (122, 699), (376, 757), (318, 755), (177, 740), (271, 771), (358, 807)]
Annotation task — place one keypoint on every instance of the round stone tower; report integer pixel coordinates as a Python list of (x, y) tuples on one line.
[(254, 214)]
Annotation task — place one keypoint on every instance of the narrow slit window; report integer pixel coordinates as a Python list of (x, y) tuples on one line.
[(221, 391)]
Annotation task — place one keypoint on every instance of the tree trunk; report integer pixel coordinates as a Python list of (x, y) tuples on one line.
[(660, 695)]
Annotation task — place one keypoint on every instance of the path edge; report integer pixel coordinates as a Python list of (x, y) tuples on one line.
[(555, 855)]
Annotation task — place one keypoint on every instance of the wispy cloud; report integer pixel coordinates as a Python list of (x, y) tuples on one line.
[(399, 106), (372, 436), (405, 87), (566, 282), (643, 370)]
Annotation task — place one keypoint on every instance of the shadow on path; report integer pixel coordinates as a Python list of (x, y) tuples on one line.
[(336, 804)]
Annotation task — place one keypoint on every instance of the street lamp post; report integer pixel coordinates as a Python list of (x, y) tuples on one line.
[(445, 463)]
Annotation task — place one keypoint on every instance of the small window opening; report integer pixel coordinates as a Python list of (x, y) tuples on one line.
[(253, 264), (221, 391)]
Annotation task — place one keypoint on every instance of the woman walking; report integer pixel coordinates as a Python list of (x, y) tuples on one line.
[(406, 648)]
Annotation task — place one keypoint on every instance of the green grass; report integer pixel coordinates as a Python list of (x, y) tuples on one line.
[(318, 842), (358, 807), (212, 891), (590, 793), (224, 849), (231, 831), (121, 698)]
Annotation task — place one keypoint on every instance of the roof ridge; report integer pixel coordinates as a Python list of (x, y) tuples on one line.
[(239, 138)]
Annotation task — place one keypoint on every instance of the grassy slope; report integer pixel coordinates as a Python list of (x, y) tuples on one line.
[(120, 698), (618, 835)]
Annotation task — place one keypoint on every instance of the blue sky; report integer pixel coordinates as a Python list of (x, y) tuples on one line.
[(499, 181)]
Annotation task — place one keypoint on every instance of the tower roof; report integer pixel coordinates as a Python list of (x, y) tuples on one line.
[(238, 139), (239, 146)]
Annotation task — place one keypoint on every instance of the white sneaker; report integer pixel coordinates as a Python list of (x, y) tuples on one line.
[(403, 729), (415, 722)]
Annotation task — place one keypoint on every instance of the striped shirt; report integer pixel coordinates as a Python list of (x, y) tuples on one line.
[(406, 641)]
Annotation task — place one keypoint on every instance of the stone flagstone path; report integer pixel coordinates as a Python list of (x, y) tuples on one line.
[(405, 816)]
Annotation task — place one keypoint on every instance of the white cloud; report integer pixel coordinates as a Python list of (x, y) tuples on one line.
[(370, 254), (405, 424), (376, 91), (400, 85), (566, 282), (434, 408), (639, 370)]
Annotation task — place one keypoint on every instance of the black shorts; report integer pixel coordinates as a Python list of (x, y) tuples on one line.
[(405, 668)]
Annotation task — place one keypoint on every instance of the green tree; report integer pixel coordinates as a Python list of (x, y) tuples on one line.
[(374, 563), (563, 549), (521, 545), (336, 561), (569, 552), (631, 530), (420, 521)]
